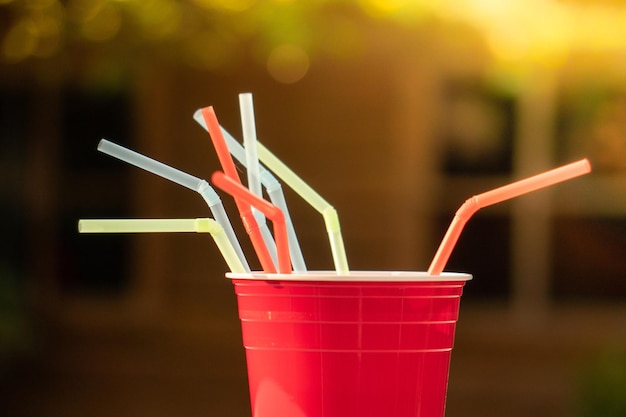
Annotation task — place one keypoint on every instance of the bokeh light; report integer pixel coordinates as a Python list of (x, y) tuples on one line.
[(20, 41), (49, 36), (82, 11), (39, 5), (288, 63), (514, 31), (158, 19), (226, 5), (103, 25)]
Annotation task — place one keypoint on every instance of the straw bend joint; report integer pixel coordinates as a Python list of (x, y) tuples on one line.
[(332, 220), (497, 195), (208, 193), (204, 225), (467, 210), (269, 181), (276, 214)]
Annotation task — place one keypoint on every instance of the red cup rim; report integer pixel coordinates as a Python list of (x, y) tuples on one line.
[(354, 276)]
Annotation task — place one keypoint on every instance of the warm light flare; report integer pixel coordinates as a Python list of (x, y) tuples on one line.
[(21, 41), (226, 5), (104, 25), (519, 34), (288, 63)]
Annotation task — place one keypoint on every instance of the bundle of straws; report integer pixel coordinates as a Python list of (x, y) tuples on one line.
[(280, 252)]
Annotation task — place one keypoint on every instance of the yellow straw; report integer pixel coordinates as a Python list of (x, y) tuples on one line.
[(331, 219), (202, 225), (473, 204)]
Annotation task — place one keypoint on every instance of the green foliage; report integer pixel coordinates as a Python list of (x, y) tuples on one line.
[(603, 387)]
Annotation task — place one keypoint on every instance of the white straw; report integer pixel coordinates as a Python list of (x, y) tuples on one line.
[(248, 125), (182, 178)]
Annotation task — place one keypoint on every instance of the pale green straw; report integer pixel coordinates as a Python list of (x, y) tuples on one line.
[(202, 225), (274, 190), (331, 219)]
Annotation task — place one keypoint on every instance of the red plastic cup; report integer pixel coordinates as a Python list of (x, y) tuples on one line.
[(367, 344)]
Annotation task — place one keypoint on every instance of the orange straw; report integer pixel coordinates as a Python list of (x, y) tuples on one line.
[(245, 212), (270, 211), (473, 204)]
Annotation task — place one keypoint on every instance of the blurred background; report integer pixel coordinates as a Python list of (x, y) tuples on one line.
[(396, 111)]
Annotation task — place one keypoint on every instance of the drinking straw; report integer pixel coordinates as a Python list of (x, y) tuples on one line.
[(331, 219), (245, 212), (274, 190), (202, 225), (473, 204), (237, 190), (252, 162), (249, 142), (182, 178)]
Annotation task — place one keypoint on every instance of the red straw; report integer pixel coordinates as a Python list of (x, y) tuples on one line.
[(473, 204), (270, 211), (250, 223)]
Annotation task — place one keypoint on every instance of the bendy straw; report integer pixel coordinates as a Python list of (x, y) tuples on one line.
[(473, 204), (331, 219), (167, 226), (182, 178), (274, 190), (237, 190), (245, 212)]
